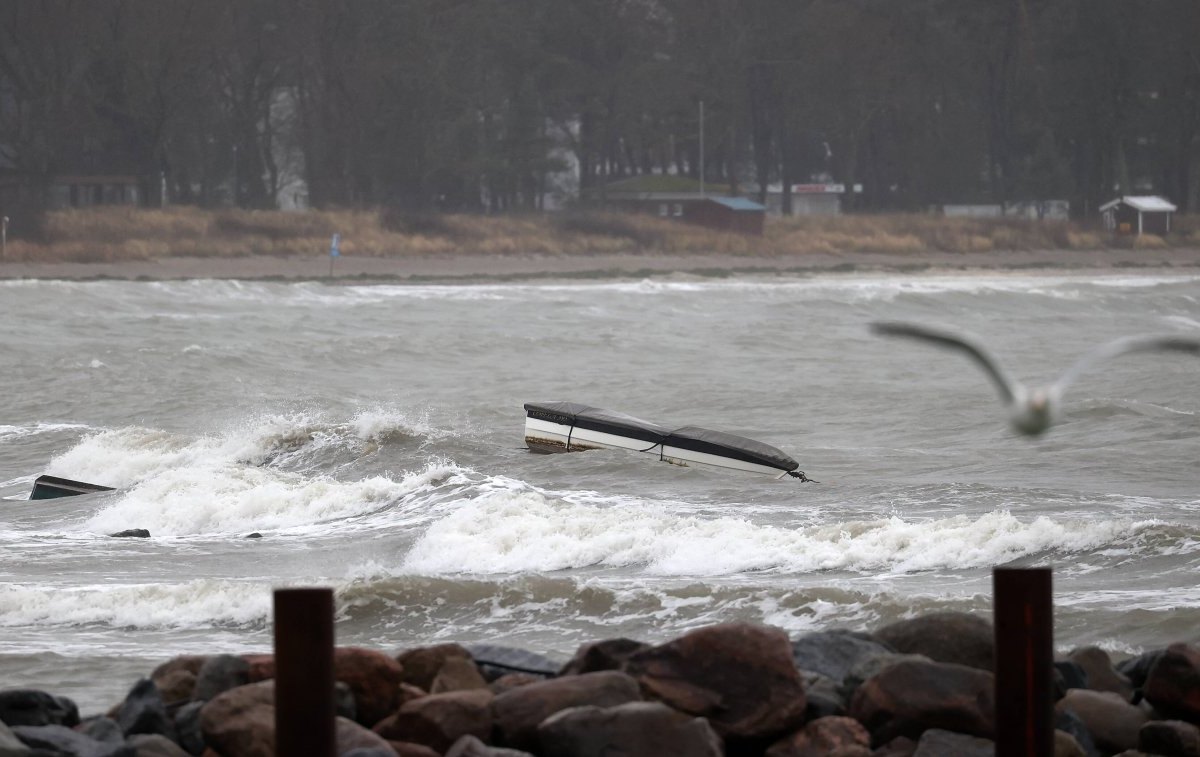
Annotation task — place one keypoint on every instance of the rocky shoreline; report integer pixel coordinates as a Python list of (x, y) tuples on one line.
[(922, 687)]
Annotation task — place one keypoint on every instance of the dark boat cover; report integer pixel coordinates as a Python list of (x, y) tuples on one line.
[(595, 419), (692, 438)]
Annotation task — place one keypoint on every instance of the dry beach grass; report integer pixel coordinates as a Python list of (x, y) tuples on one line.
[(184, 242)]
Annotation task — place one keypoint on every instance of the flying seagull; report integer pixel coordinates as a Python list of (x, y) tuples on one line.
[(1032, 411)]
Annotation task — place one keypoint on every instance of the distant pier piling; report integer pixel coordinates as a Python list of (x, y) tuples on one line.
[(1024, 628), (305, 710)]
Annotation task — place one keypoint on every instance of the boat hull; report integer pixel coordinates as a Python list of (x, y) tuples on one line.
[(569, 427)]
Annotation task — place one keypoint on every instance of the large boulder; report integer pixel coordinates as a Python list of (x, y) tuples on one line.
[(955, 637), (1112, 721), (143, 711), (1100, 672), (834, 654), (351, 736), (739, 676), (241, 721), (59, 739), (421, 664), (1173, 683), (909, 698), (439, 720), (33, 707), (220, 673), (1172, 738), (457, 674), (518, 712), (609, 654), (634, 729), (939, 743), (844, 737), (155, 745)]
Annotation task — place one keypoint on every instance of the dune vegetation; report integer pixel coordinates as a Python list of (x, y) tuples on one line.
[(114, 234)]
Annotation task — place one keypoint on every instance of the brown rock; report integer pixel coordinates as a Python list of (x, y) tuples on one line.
[(824, 737), (155, 745), (176, 685), (241, 721), (738, 675), (458, 674), (438, 720), (512, 681), (351, 735), (955, 637), (1112, 722), (938, 743), (1101, 675), (517, 713), (908, 698), (609, 654), (1173, 683), (421, 665), (901, 746), (469, 746), (262, 667), (189, 662), (176, 677), (634, 729), (373, 676), (1065, 745), (1171, 738)]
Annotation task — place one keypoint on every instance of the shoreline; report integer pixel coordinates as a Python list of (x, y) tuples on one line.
[(467, 267)]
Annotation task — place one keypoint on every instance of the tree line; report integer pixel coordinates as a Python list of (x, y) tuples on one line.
[(483, 104)]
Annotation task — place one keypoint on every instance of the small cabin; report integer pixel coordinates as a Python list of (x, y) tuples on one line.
[(1138, 215), (735, 214)]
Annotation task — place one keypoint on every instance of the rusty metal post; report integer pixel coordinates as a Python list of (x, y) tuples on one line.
[(304, 704), (1024, 623)]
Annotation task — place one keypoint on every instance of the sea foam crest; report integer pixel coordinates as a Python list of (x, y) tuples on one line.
[(524, 530), (173, 485), (201, 603)]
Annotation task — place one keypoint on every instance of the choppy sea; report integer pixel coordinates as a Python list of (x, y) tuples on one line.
[(372, 433)]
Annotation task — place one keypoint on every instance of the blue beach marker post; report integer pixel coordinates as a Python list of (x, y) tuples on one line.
[(334, 251)]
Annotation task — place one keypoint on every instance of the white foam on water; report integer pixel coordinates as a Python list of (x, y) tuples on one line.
[(8, 432), (179, 486), (518, 530), (202, 603)]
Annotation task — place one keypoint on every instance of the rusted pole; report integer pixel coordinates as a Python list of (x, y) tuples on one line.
[(304, 704), (1024, 622)]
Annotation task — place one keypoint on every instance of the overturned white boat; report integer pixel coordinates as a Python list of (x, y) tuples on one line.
[(571, 427)]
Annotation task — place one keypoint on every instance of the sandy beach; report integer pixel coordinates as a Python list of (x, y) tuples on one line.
[(467, 267)]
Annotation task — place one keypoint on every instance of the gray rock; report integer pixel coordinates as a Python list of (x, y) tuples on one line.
[(102, 729), (220, 673), (155, 745), (10, 745), (834, 654), (132, 533), (634, 729), (955, 637), (33, 707), (1172, 738), (143, 711), (187, 728), (62, 739)]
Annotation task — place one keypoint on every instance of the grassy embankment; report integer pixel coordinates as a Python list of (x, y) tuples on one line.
[(120, 234)]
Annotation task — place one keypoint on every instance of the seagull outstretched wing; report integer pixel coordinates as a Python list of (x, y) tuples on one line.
[(1123, 346), (1008, 388)]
